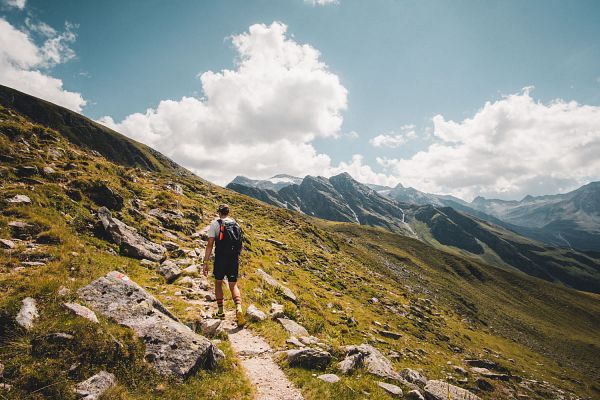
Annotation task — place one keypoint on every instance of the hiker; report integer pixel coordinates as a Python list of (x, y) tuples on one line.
[(226, 234)]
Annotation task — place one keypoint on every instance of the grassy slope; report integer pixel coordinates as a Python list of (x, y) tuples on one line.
[(474, 308)]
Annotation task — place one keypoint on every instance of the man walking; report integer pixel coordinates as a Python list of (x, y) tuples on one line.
[(226, 234)]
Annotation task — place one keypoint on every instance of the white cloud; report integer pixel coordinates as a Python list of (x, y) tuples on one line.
[(394, 140), (258, 119), (362, 172), (24, 64), (352, 135), (512, 147), (20, 4), (321, 2)]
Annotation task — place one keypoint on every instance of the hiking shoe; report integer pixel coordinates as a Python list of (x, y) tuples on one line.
[(219, 315), (239, 316)]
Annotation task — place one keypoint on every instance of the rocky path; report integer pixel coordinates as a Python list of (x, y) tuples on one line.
[(256, 358)]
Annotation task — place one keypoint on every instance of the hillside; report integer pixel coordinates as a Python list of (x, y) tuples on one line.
[(448, 225), (429, 314)]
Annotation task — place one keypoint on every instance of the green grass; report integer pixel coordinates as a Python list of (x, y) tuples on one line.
[(549, 332)]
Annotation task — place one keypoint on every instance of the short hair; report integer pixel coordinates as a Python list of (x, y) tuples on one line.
[(223, 209)]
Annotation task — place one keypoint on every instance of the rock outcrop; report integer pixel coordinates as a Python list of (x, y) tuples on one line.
[(94, 387), (269, 280), (308, 358), (440, 390), (293, 327), (392, 390), (173, 348), (28, 313), (132, 243)]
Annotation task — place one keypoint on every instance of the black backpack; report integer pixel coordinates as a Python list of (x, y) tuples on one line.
[(229, 241)]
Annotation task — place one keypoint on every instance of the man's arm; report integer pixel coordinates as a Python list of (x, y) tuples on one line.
[(207, 253)]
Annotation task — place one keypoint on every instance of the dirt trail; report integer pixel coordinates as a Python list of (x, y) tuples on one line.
[(255, 355)]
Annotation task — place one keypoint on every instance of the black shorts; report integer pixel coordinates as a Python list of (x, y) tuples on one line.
[(226, 266)]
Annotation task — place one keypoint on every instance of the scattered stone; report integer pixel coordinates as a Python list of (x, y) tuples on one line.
[(254, 314), (28, 313), (170, 246), (269, 280), (293, 340), (490, 374), (193, 269), (276, 311), (63, 291), (390, 334), (374, 300), (211, 327), (275, 242), (376, 363), (169, 270), (414, 395), (308, 340), (460, 370), (19, 198), (351, 362), (32, 263), (308, 358), (7, 244), (27, 170), (21, 230), (131, 242), (293, 327), (329, 378), (440, 390), (148, 264), (413, 376), (394, 390), (48, 171), (171, 347), (82, 311), (1, 370), (94, 387), (104, 196), (484, 384)]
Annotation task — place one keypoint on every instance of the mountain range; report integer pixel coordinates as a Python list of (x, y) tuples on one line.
[(451, 223), (101, 239)]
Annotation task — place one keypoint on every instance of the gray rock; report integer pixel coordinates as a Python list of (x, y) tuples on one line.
[(269, 280), (329, 378), (276, 311), (193, 269), (1, 370), (7, 244), (254, 314), (63, 291), (440, 390), (82, 311), (351, 362), (413, 376), (308, 340), (21, 230), (48, 171), (28, 313), (132, 243), (375, 362), (414, 395), (293, 340), (148, 264), (390, 334), (94, 387), (19, 198), (169, 270), (484, 384), (293, 327), (173, 348), (27, 170), (170, 246), (393, 390), (308, 358), (490, 374), (211, 327)]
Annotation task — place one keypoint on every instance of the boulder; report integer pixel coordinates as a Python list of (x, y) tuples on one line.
[(22, 230), (7, 244), (390, 334), (413, 376), (269, 280), (414, 395), (375, 362), (484, 384), (82, 311), (276, 311), (170, 246), (440, 390), (28, 313), (293, 340), (173, 348), (94, 387), (48, 171), (193, 269), (132, 243), (308, 358), (211, 326), (351, 362), (329, 378), (103, 195), (490, 374), (19, 198), (254, 314), (393, 390), (148, 264), (27, 170), (169, 270), (293, 327)]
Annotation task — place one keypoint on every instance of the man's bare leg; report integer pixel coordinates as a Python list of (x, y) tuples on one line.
[(237, 299), (219, 295)]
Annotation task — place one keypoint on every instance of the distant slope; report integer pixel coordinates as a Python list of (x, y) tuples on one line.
[(470, 232), (86, 133)]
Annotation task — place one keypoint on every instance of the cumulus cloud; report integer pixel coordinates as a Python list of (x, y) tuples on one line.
[(392, 139), (511, 147), (321, 2), (258, 119), (24, 64), (20, 4)]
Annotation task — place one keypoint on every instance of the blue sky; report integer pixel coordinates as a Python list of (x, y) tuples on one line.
[(400, 62)]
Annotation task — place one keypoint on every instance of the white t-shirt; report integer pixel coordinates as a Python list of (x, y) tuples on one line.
[(213, 230)]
